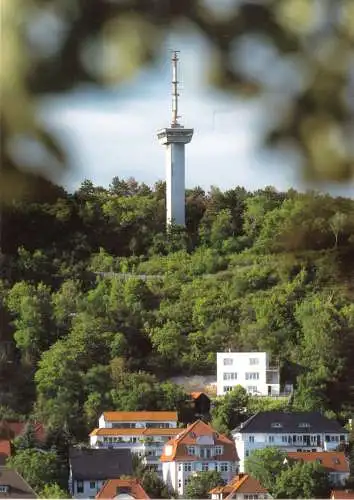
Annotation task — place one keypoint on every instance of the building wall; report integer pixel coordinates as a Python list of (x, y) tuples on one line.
[(175, 183), (88, 491), (247, 443), (239, 364), (176, 474)]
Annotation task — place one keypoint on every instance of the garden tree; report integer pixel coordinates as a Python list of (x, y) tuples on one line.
[(38, 468), (154, 485), (201, 483), (302, 480), (265, 465), (230, 410), (53, 490), (32, 309)]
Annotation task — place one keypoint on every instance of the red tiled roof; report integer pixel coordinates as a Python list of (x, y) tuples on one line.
[(241, 483), (332, 461), (196, 395), (15, 429), (342, 494), (109, 431), (110, 489), (189, 436), (5, 451), (140, 416)]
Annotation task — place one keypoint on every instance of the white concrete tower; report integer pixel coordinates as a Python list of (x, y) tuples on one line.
[(174, 139)]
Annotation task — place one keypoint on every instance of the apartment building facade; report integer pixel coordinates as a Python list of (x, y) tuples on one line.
[(291, 432), (251, 370), (143, 433), (195, 449)]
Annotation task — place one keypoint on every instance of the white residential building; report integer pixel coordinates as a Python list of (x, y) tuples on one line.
[(295, 431), (251, 370), (143, 433), (197, 448)]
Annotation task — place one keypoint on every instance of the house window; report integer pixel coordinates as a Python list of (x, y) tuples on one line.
[(218, 450), (276, 425), (342, 437), (191, 450), (205, 467), (304, 425), (252, 376), (179, 467), (228, 361), (227, 388), (179, 483), (186, 481), (250, 497), (80, 486), (284, 439), (187, 467), (254, 361), (4, 488), (251, 439), (252, 388), (247, 453), (230, 376), (224, 467), (92, 485), (271, 439)]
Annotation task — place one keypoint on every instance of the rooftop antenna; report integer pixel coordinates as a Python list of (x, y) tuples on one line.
[(175, 93)]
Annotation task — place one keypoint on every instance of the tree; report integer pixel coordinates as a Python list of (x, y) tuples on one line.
[(230, 410), (302, 480), (27, 439), (265, 465), (53, 490), (38, 468), (201, 483), (154, 486), (338, 223)]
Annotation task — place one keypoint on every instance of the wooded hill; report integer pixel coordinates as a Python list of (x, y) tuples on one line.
[(264, 270)]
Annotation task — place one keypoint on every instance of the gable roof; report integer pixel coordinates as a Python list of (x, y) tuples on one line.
[(12, 429), (140, 416), (111, 431), (241, 483), (5, 451), (290, 422), (332, 461), (18, 487), (190, 437), (110, 489), (342, 494), (95, 464)]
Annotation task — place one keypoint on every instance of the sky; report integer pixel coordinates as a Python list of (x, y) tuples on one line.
[(113, 132)]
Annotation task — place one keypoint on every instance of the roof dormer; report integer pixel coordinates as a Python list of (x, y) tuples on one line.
[(276, 425)]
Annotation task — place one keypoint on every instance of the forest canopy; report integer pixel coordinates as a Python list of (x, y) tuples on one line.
[(101, 306)]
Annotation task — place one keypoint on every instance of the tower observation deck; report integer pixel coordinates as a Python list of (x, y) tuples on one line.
[(174, 139)]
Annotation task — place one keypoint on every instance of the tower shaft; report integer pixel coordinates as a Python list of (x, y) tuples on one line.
[(174, 138)]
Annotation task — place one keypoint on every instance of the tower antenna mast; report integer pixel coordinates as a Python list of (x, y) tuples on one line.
[(175, 93)]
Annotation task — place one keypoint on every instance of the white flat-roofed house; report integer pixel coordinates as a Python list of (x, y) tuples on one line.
[(251, 370), (196, 449), (138, 419), (288, 431)]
